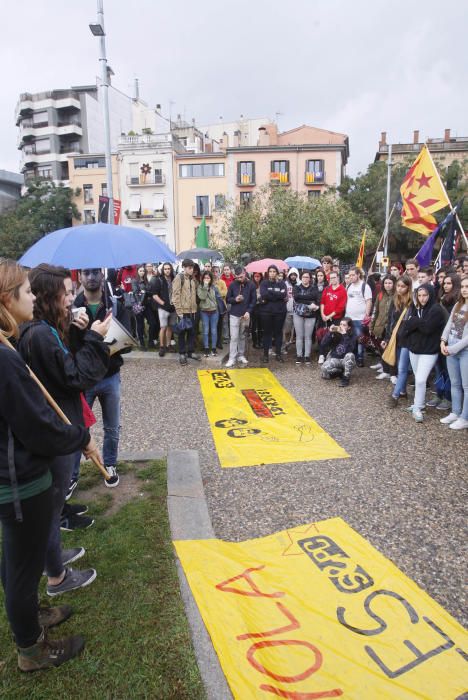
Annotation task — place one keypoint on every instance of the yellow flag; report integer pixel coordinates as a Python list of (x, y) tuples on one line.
[(422, 194), (360, 257)]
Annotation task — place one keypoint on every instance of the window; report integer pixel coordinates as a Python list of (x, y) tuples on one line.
[(134, 173), (202, 170), (88, 194), (44, 171), (158, 202), (104, 189), (158, 173), (280, 171), (245, 198), (313, 194), (203, 205), (43, 146), (246, 172), (40, 119), (220, 201), (314, 171), (89, 163), (135, 204), (89, 216)]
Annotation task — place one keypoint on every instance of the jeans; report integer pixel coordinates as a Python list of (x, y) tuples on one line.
[(457, 366), (273, 328), (304, 328), (209, 323), (187, 338), (61, 469), (108, 393), (358, 332), (402, 376), (422, 365), (237, 327), (442, 382), (23, 554)]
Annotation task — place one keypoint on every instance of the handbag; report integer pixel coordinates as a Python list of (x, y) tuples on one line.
[(129, 300), (138, 308), (389, 354), (303, 310), (183, 324)]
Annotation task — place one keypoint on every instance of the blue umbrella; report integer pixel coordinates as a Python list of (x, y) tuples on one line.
[(97, 245), (303, 262)]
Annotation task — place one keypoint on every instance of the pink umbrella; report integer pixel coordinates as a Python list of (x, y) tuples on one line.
[(263, 265)]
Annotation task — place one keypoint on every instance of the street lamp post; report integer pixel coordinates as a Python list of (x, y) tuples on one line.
[(98, 30)]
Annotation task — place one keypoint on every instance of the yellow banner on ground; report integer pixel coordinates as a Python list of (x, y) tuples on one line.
[(254, 421), (317, 612)]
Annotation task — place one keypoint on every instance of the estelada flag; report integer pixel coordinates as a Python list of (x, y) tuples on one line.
[(360, 257), (422, 193)]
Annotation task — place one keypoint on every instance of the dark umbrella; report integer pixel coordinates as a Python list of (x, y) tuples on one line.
[(97, 245), (200, 254)]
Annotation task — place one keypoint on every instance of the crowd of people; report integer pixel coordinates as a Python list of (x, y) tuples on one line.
[(54, 322)]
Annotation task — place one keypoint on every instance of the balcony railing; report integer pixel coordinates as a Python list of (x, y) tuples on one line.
[(148, 215), (314, 178), (199, 214), (142, 181), (70, 149), (279, 178), (69, 122)]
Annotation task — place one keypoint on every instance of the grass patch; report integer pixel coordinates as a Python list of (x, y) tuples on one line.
[(137, 638), (91, 476)]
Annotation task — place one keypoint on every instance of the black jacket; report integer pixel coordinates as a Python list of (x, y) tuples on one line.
[(38, 433), (392, 319), (115, 361), (307, 295), (424, 328), (340, 344), (274, 297), (248, 291), (159, 286), (64, 375)]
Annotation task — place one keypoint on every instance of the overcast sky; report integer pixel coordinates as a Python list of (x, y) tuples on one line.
[(358, 67)]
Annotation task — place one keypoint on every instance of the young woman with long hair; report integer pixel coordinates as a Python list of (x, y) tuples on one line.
[(45, 345), (450, 291), (256, 320), (31, 435), (401, 304), (306, 307), (454, 346), (208, 305), (378, 324)]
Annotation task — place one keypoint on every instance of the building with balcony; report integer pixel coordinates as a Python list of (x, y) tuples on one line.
[(10, 189), (56, 124), (444, 150), (200, 191), (88, 173), (147, 183), (307, 159)]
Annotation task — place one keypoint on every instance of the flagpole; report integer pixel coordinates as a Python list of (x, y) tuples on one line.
[(457, 218), (387, 203)]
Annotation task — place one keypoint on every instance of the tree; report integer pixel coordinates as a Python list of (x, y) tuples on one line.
[(278, 223), (45, 207)]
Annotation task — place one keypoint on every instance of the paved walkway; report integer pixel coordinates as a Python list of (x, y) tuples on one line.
[(404, 487)]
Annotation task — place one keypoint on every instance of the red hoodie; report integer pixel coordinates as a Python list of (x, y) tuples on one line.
[(227, 280), (334, 300)]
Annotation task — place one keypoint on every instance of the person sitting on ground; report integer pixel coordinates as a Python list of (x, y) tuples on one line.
[(161, 289), (358, 306), (306, 306), (454, 347), (332, 305), (241, 299), (423, 331), (273, 294), (340, 345), (31, 436), (184, 298), (44, 345), (209, 312)]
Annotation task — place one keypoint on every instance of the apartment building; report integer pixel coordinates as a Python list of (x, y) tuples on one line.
[(10, 189), (444, 150), (88, 173), (147, 183), (55, 124), (306, 158), (200, 187)]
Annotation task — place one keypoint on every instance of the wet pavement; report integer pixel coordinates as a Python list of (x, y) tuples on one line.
[(403, 487)]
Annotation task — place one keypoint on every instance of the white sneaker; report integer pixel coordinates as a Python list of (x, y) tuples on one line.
[(393, 380), (451, 418), (383, 375), (321, 360), (243, 360), (230, 363), (378, 367), (459, 424), (418, 416)]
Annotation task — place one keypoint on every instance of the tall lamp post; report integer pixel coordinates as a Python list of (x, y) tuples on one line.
[(98, 30)]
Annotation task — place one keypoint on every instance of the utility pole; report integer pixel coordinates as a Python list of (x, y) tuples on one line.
[(387, 204)]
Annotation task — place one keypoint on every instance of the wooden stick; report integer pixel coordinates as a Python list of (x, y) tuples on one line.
[(51, 401)]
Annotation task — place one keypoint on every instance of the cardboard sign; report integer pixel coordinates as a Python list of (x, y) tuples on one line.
[(254, 421), (317, 612)]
